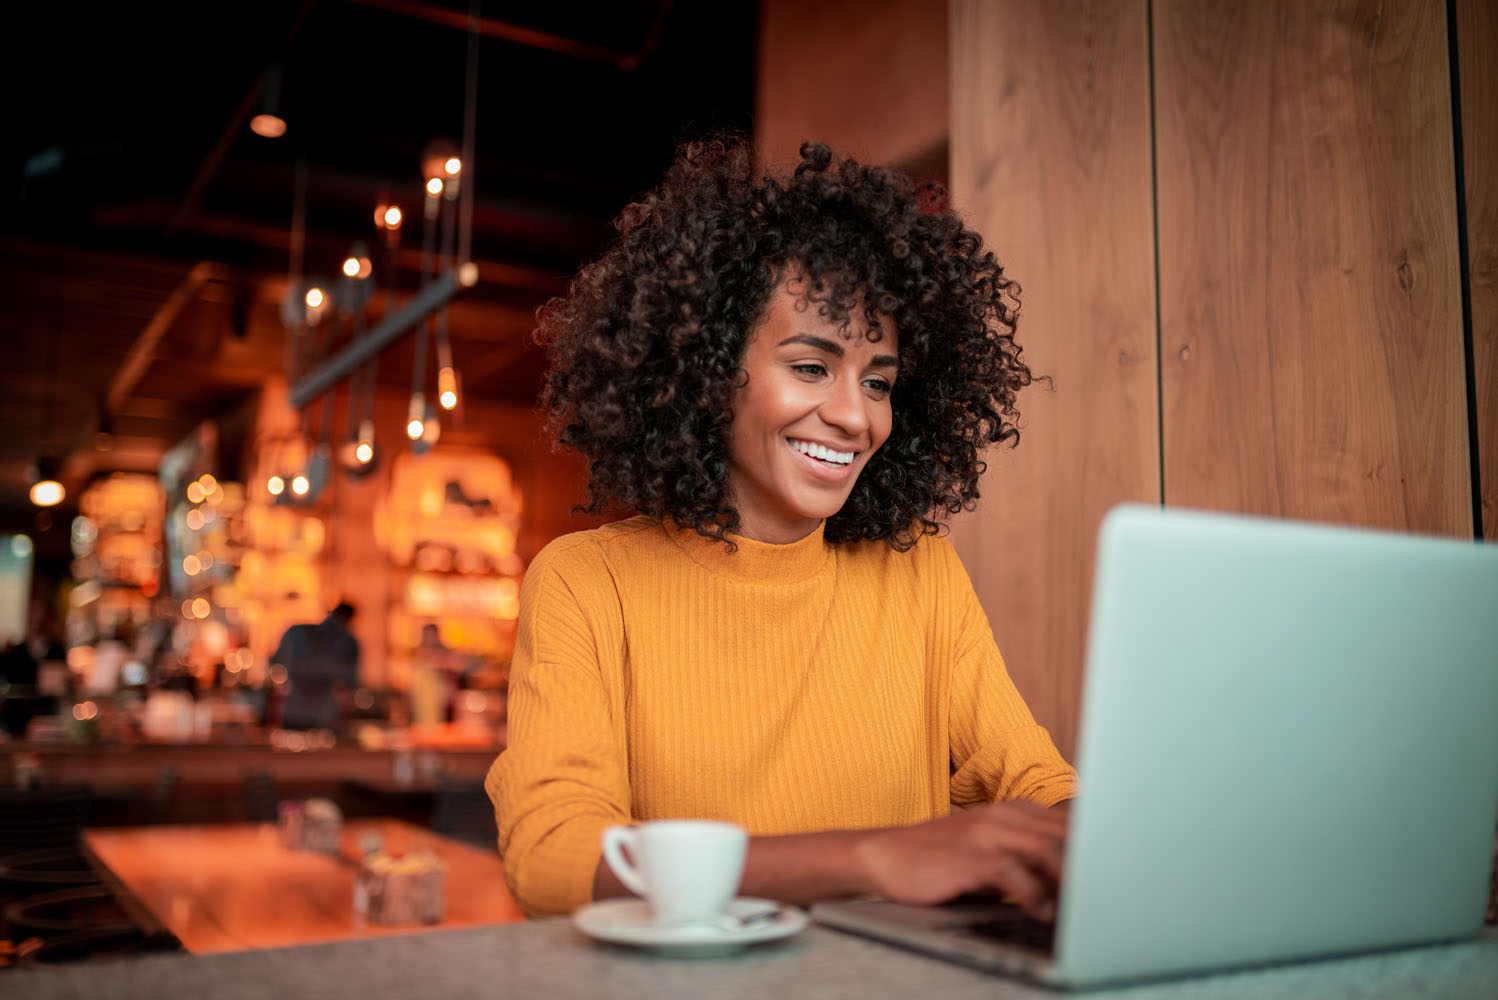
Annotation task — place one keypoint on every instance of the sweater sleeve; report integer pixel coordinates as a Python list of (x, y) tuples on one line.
[(998, 751), (562, 778)]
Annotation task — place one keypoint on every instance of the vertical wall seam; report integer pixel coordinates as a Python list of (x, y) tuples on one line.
[(1149, 32), (1464, 262)]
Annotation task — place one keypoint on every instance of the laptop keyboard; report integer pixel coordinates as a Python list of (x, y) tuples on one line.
[(1011, 926)]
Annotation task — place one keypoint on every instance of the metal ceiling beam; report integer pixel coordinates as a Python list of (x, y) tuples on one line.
[(513, 32), (426, 301)]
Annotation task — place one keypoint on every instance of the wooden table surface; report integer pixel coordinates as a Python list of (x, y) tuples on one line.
[(235, 887)]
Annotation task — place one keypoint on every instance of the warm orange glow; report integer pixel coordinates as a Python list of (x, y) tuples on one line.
[(447, 385), (191, 565), (269, 126), (388, 216), (195, 492), (275, 486), (300, 486), (351, 267), (434, 186), (314, 298), (208, 483), (201, 608), (47, 493), (363, 451), (85, 710), (195, 520), (414, 429), (453, 166)]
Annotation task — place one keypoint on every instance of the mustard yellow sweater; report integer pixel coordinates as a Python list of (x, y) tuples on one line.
[(788, 688)]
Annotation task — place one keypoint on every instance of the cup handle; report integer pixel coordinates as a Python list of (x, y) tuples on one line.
[(614, 839)]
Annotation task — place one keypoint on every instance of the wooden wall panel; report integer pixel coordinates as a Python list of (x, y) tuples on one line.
[(867, 77), (1310, 313), (1051, 162), (1477, 41)]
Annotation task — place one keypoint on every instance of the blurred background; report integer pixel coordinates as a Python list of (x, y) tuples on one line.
[(269, 274)]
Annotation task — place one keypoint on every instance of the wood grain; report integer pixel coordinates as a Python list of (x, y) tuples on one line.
[(235, 887), (1477, 40), (1312, 362), (867, 77), (1051, 162)]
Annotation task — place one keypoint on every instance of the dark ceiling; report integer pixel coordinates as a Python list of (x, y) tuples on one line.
[(147, 221)]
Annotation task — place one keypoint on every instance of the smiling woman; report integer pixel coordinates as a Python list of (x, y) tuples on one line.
[(787, 381)]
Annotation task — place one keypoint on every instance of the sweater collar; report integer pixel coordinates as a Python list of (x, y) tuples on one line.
[(755, 562)]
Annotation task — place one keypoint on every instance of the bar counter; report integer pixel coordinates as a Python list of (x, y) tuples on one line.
[(551, 959)]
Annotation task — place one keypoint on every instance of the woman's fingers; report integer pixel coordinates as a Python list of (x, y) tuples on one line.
[(1035, 894), (1012, 847)]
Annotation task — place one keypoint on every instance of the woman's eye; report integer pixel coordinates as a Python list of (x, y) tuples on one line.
[(879, 386), (810, 369)]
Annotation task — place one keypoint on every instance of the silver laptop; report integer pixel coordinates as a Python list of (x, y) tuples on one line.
[(1289, 748)]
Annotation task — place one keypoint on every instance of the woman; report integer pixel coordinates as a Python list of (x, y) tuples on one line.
[(786, 381)]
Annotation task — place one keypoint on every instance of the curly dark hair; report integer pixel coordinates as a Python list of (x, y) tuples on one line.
[(646, 347)]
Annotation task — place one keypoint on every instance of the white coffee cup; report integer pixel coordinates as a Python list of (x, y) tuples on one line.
[(686, 869)]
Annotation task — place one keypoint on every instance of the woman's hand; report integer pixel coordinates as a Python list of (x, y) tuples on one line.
[(1014, 847)]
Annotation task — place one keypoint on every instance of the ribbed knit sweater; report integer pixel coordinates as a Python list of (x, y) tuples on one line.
[(787, 688)]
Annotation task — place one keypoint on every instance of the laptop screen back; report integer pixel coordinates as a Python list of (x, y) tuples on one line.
[(1289, 744)]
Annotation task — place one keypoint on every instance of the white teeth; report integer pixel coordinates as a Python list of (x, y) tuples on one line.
[(823, 452)]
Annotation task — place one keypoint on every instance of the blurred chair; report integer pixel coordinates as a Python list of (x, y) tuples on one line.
[(64, 911), (98, 942), (260, 796), (462, 810), (159, 806), (31, 872), (34, 819)]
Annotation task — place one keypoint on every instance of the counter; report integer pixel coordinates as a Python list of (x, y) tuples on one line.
[(549, 958)]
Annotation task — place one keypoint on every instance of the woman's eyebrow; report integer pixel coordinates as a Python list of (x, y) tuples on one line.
[(835, 349)]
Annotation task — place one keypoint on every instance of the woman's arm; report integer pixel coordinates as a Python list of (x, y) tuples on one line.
[(1013, 847)]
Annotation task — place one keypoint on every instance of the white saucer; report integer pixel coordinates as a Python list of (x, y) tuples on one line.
[(630, 921)]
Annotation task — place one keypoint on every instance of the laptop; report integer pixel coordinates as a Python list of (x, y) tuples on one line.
[(1289, 749)]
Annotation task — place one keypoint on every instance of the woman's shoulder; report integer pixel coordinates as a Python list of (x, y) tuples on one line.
[(590, 548)]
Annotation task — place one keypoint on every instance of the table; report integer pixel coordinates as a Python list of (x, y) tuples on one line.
[(548, 958), (234, 886)]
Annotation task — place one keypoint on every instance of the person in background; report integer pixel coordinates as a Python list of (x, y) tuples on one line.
[(322, 663), (788, 380), (436, 678)]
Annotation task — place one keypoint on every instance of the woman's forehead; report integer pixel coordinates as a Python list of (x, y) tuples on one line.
[(791, 316)]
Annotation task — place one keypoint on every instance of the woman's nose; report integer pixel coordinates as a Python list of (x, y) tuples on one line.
[(846, 408)]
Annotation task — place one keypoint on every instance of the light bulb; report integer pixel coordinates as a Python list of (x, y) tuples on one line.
[(392, 217), (195, 492), (447, 388), (453, 166), (275, 486), (414, 429), (363, 451), (434, 187), (268, 126), (47, 493), (351, 267), (300, 486), (314, 298)]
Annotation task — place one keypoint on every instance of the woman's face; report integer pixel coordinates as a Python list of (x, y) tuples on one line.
[(815, 408)]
